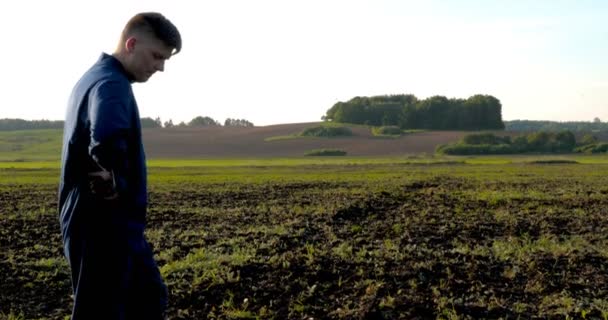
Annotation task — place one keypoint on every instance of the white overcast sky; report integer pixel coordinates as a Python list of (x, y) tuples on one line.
[(288, 61)]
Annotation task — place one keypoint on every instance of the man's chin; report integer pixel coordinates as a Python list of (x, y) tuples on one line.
[(142, 80)]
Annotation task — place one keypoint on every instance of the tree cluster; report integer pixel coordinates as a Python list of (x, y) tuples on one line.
[(478, 112), (203, 122), (536, 142), (237, 123)]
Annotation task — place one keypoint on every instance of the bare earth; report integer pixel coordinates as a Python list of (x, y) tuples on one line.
[(221, 142)]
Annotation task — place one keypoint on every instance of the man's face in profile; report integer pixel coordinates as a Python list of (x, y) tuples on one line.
[(147, 55)]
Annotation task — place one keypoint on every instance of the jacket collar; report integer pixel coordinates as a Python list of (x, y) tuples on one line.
[(105, 58)]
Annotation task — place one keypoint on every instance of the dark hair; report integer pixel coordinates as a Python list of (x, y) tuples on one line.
[(156, 24)]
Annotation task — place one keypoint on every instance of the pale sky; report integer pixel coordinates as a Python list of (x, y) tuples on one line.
[(284, 61)]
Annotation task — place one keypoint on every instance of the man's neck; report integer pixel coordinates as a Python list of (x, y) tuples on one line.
[(121, 59)]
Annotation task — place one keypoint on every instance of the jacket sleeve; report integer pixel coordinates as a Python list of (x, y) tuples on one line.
[(109, 116)]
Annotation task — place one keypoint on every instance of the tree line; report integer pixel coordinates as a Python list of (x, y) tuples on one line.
[(478, 112), (20, 124), (535, 142), (146, 122), (555, 126)]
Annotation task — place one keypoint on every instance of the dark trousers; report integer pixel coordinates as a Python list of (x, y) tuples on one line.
[(114, 275)]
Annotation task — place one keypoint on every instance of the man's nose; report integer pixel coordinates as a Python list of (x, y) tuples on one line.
[(160, 66)]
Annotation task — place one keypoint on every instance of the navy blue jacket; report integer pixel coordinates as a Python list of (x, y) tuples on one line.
[(102, 130)]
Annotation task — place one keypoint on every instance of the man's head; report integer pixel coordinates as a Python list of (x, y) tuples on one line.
[(146, 42)]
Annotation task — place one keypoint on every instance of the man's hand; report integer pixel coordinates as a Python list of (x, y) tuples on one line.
[(101, 183)]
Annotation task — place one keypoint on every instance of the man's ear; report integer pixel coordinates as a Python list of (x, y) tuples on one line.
[(130, 44)]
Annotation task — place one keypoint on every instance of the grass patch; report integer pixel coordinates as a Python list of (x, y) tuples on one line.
[(414, 130), (12, 316), (278, 138), (553, 161), (326, 152), (387, 132), (329, 130), (326, 132)]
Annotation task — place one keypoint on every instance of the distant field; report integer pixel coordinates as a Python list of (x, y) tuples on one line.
[(269, 142), (223, 142), (30, 145), (382, 239), (229, 147)]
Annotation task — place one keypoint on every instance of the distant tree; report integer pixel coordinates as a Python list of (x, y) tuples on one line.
[(520, 144), (352, 112), (150, 123), (564, 141), (434, 113), (485, 138), (237, 123), (203, 122), (588, 139), (538, 140), (182, 124), (597, 120), (169, 124)]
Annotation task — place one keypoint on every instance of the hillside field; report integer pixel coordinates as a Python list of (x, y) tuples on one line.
[(235, 142)]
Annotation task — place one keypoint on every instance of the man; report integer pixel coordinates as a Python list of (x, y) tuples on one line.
[(102, 192)]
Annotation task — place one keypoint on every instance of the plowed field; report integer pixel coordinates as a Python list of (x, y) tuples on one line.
[(344, 242)]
